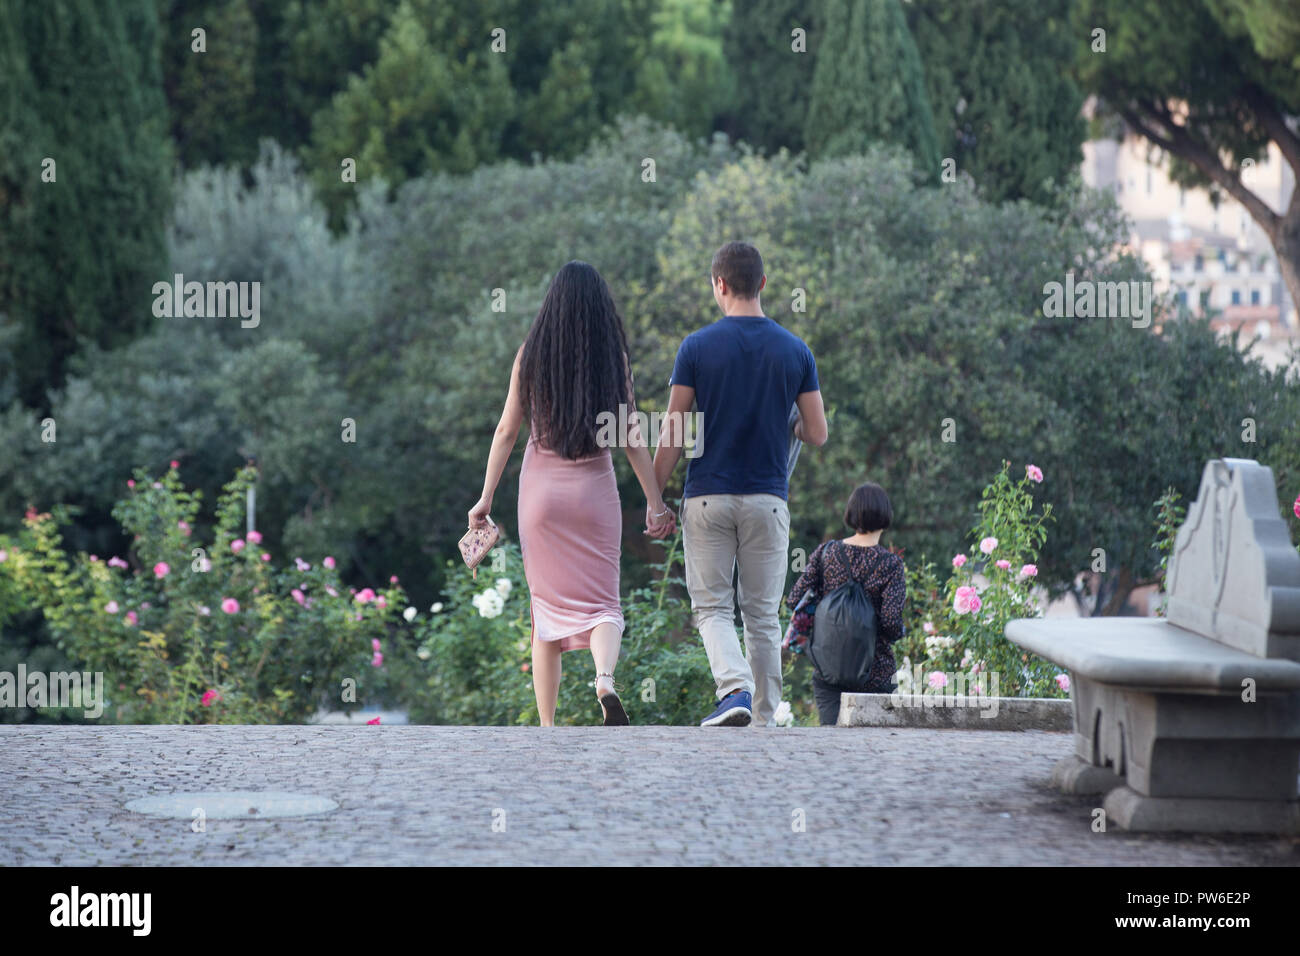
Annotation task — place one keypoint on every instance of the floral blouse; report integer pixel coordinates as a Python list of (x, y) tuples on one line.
[(881, 574)]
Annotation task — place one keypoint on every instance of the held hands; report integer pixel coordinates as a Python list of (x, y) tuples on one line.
[(659, 520)]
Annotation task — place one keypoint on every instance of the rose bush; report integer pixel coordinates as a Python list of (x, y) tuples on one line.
[(188, 632), (962, 623)]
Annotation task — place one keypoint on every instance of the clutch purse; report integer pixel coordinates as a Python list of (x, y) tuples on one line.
[(476, 544), (801, 625)]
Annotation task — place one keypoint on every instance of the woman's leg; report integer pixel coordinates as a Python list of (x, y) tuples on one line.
[(606, 639), (546, 678), (828, 701)]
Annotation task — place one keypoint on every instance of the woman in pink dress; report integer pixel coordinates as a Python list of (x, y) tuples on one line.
[(570, 378)]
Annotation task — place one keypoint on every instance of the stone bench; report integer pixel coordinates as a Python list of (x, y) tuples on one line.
[(1192, 722)]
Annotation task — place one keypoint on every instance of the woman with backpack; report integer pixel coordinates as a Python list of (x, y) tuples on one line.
[(839, 573)]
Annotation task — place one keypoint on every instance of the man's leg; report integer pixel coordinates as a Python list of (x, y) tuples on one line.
[(709, 539), (763, 526)]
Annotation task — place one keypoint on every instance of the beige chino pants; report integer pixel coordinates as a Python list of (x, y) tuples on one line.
[(723, 533)]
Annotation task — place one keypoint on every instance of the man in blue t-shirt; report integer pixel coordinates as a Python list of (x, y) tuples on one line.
[(745, 374)]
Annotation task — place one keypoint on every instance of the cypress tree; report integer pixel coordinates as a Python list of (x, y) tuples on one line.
[(82, 240), (868, 84)]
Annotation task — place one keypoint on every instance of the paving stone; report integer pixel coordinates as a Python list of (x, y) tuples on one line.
[(635, 795)]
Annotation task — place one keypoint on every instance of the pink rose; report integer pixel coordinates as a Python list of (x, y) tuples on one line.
[(958, 560), (988, 544), (372, 722), (160, 570), (1003, 564), (230, 606), (374, 643), (131, 618), (331, 592), (265, 556), (381, 601), (237, 545), (393, 579), (966, 600), (938, 679), (301, 565), (4, 556), (116, 562), (365, 596), (254, 537), (130, 482), (328, 562), (1296, 506), (299, 596), (111, 607), (205, 610), (209, 697), (93, 558), (184, 528), (175, 464), (1029, 571), (1063, 681), (377, 660), (927, 627), (1034, 473), (157, 484)]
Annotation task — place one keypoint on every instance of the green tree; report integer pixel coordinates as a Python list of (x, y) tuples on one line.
[(415, 109), (685, 80), (868, 84), (1006, 109), (82, 240), (211, 92), (773, 80), (1196, 86)]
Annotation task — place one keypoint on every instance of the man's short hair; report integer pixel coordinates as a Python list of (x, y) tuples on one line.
[(741, 267), (868, 509)]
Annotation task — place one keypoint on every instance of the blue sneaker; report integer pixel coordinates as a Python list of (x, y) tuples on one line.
[(733, 711)]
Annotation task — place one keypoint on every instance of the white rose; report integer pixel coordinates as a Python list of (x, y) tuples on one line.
[(784, 716), (503, 587), (409, 614), (489, 603), (435, 607), (423, 654)]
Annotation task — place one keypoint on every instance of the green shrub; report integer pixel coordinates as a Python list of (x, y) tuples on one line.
[(191, 633)]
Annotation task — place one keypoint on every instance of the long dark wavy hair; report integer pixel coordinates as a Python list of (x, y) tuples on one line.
[(572, 366)]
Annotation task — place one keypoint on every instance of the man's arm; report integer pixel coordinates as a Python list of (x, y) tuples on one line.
[(680, 400), (811, 426)]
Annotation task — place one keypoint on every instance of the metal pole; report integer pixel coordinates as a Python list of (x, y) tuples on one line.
[(251, 510)]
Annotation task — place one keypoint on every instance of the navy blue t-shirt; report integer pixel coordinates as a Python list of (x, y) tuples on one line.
[(746, 371)]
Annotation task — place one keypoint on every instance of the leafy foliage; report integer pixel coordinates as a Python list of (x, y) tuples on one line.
[(187, 633)]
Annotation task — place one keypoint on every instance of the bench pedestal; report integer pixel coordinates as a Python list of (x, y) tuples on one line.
[(1202, 762), (1133, 811)]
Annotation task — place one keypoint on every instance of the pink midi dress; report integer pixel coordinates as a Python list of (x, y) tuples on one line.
[(570, 533)]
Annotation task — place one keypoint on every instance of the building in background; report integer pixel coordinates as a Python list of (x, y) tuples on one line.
[(1213, 259)]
